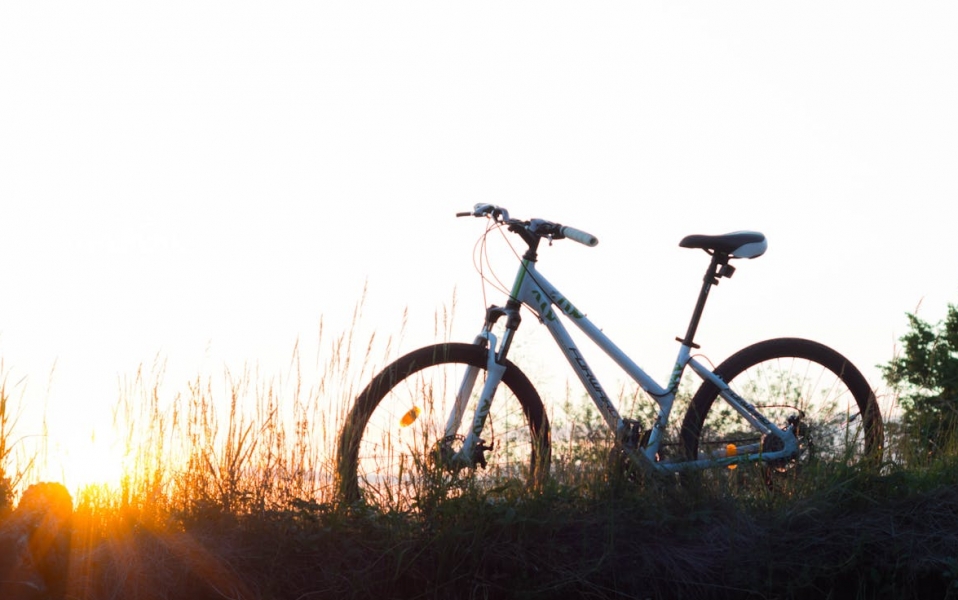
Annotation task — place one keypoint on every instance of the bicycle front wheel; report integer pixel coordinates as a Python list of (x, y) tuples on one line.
[(791, 381), (394, 439)]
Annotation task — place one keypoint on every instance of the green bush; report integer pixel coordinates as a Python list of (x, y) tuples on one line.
[(926, 376)]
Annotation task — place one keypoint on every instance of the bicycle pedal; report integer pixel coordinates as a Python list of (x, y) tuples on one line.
[(635, 436)]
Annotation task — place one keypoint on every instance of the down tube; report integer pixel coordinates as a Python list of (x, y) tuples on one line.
[(543, 298), (585, 375)]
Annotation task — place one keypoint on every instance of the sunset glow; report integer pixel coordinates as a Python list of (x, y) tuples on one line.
[(94, 460), (199, 186)]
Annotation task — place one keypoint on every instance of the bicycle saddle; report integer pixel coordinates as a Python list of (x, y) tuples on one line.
[(738, 244)]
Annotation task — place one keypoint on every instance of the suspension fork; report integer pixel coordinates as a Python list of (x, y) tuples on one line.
[(495, 368)]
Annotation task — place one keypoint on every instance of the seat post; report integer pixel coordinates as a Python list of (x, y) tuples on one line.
[(718, 268)]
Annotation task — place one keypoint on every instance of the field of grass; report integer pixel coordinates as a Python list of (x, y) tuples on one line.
[(228, 493), (864, 537)]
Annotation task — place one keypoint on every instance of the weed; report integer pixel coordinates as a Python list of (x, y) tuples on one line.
[(228, 492)]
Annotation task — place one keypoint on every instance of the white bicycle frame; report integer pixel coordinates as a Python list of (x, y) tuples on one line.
[(534, 291)]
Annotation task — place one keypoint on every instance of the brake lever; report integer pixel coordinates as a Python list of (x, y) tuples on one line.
[(496, 213)]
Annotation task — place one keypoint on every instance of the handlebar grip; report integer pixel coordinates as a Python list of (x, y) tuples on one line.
[(580, 236)]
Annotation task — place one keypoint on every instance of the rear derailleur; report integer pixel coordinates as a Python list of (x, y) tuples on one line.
[(770, 443)]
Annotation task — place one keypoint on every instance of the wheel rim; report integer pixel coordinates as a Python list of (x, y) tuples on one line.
[(831, 427), (402, 461)]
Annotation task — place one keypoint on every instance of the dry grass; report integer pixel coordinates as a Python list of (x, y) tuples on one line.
[(866, 537), (228, 494)]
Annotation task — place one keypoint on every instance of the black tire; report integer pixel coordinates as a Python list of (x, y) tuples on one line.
[(384, 463), (781, 377)]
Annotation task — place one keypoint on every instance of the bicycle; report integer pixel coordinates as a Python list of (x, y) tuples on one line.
[(785, 402)]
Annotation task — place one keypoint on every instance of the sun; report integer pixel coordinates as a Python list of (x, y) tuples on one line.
[(89, 460)]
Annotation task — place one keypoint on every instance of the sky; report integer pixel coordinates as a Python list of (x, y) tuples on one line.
[(199, 184)]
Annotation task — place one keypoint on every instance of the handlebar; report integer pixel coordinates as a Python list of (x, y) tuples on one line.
[(580, 236), (537, 227)]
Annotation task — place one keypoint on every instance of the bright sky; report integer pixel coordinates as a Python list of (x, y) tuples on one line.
[(203, 181)]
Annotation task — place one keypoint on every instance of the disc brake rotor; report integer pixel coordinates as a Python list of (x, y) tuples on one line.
[(443, 454)]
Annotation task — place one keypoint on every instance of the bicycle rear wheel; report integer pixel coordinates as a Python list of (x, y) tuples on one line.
[(393, 442), (840, 422)]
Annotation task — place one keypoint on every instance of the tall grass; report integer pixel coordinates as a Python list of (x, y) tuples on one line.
[(16, 464), (241, 443), (228, 493)]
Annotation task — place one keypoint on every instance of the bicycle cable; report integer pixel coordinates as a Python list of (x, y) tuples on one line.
[(483, 264), (497, 284), (675, 387)]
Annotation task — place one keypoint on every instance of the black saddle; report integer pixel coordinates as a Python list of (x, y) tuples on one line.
[(739, 244)]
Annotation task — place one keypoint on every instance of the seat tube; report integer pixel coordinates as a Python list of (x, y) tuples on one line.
[(711, 278)]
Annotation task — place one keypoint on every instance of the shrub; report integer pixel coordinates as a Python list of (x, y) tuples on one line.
[(926, 376)]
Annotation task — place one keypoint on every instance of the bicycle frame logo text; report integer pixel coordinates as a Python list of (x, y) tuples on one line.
[(564, 305), (591, 378)]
